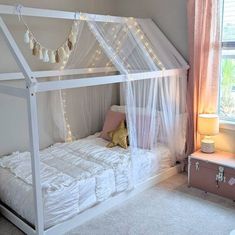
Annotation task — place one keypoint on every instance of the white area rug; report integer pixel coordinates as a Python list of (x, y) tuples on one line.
[(169, 208)]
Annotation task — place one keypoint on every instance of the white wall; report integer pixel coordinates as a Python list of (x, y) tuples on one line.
[(225, 140), (51, 33), (169, 15)]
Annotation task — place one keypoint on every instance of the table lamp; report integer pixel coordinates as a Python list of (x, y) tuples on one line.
[(208, 125)]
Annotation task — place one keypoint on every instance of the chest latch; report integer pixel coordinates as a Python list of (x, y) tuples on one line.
[(220, 177)]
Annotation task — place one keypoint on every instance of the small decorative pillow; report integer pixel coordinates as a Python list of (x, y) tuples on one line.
[(118, 136), (112, 121)]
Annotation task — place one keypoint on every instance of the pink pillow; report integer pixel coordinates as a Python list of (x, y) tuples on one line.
[(112, 120)]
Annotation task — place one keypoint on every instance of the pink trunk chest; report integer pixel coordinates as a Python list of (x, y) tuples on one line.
[(214, 173)]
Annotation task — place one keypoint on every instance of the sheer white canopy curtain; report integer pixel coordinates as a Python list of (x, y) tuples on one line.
[(155, 107), (80, 112)]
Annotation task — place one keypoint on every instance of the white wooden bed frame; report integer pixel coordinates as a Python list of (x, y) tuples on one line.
[(29, 94)]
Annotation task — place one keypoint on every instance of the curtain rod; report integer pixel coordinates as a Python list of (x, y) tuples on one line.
[(39, 12)]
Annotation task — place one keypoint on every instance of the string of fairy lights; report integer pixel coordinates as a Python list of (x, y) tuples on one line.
[(63, 98), (61, 54), (132, 22)]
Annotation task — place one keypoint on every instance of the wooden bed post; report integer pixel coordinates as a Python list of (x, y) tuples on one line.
[(31, 82), (35, 160)]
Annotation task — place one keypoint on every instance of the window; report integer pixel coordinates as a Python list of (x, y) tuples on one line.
[(227, 84)]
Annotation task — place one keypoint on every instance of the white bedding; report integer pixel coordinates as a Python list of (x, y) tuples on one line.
[(75, 176)]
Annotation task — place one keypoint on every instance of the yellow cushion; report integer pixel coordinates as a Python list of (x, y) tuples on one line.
[(118, 136)]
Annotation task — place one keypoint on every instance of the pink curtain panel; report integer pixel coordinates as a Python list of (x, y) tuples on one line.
[(204, 55)]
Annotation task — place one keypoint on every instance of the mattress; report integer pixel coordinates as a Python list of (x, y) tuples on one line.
[(74, 177)]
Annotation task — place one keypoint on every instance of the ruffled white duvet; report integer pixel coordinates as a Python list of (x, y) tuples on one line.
[(74, 176)]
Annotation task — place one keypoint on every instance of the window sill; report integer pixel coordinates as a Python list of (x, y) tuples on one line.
[(226, 125)]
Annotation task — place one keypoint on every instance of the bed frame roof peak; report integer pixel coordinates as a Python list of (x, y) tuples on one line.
[(31, 76)]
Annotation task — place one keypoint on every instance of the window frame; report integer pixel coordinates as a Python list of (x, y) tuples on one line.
[(225, 45)]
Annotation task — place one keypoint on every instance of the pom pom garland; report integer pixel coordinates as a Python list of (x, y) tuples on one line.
[(70, 45), (74, 29), (35, 49), (62, 53), (31, 43), (72, 39), (45, 56), (48, 55), (57, 57), (26, 37), (66, 48), (40, 54), (52, 57)]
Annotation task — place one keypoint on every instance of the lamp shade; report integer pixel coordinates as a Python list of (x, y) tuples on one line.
[(208, 124)]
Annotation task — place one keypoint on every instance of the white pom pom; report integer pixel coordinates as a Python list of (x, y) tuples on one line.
[(66, 48), (40, 54), (62, 53), (74, 29), (52, 57), (31, 43), (26, 37), (73, 38), (45, 56)]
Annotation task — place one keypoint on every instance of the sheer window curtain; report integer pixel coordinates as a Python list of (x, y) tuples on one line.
[(204, 58)]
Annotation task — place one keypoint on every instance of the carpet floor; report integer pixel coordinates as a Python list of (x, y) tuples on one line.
[(170, 208)]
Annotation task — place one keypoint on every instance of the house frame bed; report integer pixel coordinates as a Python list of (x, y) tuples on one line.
[(29, 93)]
